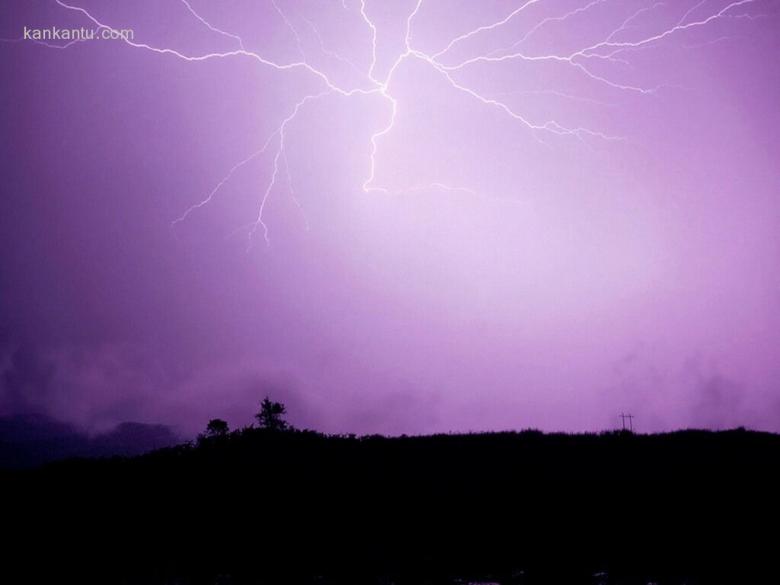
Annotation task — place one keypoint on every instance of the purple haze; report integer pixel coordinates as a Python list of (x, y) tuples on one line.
[(621, 256)]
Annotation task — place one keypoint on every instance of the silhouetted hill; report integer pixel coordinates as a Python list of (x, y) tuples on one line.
[(256, 506), (31, 440)]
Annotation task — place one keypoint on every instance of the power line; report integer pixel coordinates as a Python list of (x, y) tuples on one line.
[(630, 418)]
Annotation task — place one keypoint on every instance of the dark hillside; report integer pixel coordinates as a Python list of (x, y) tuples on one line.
[(258, 506)]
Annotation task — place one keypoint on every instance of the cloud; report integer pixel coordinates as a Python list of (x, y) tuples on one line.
[(26, 381), (94, 388)]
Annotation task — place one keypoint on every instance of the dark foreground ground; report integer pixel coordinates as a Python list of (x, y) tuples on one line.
[(302, 508)]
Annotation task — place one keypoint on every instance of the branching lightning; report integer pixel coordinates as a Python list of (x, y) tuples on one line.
[(611, 49)]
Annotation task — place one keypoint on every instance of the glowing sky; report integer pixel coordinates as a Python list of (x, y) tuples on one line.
[(395, 216)]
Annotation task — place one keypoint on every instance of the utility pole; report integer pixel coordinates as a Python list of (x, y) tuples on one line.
[(630, 418)]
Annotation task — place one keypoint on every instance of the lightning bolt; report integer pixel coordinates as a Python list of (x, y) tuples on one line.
[(213, 28), (591, 51), (484, 28), (606, 49), (545, 21), (280, 152)]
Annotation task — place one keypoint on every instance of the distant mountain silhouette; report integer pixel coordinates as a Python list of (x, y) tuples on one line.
[(34, 439)]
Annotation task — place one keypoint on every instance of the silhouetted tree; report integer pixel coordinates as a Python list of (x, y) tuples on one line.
[(217, 428), (270, 415)]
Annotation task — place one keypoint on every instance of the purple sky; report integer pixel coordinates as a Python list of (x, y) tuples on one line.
[(575, 211)]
